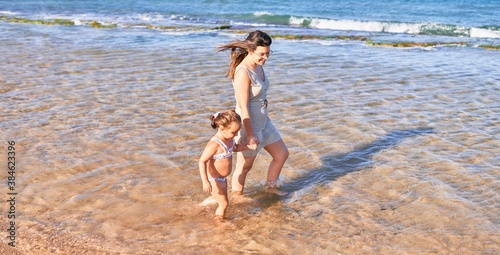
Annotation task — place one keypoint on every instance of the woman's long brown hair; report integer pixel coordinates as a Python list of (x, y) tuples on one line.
[(240, 49)]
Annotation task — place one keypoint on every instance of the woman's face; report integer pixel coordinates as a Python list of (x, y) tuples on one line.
[(261, 54)]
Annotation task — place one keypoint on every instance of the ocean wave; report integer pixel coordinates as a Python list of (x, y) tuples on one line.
[(8, 13), (269, 19), (262, 13), (395, 27), (379, 33)]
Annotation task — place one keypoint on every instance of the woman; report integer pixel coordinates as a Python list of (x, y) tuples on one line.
[(250, 86)]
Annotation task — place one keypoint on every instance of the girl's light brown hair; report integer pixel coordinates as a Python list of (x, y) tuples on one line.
[(224, 119)]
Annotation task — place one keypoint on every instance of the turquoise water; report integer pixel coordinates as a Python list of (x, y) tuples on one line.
[(465, 19)]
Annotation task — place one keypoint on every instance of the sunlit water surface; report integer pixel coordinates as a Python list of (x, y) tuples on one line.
[(393, 151)]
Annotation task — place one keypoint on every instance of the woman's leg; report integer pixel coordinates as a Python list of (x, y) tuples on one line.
[(243, 166), (219, 192), (279, 153)]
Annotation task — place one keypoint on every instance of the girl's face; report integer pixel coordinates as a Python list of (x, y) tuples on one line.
[(261, 54), (231, 131)]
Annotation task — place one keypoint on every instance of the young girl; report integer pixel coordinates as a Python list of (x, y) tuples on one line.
[(216, 160)]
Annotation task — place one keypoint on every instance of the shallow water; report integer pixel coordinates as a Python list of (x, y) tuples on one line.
[(393, 151)]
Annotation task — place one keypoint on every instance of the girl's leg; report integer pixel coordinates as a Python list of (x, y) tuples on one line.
[(243, 166), (279, 153), (219, 192)]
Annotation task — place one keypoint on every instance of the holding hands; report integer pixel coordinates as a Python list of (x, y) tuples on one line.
[(253, 143)]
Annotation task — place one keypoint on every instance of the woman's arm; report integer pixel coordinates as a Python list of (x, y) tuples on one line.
[(242, 87)]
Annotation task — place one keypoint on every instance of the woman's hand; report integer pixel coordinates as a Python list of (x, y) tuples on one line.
[(253, 143)]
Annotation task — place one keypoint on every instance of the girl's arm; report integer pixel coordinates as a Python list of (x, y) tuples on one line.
[(240, 147), (208, 153), (242, 87)]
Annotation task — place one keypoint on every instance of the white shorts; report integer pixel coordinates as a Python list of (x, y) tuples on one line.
[(268, 135)]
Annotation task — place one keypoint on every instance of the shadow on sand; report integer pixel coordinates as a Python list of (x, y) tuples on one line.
[(336, 166)]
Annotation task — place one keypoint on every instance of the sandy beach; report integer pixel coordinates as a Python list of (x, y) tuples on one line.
[(393, 151)]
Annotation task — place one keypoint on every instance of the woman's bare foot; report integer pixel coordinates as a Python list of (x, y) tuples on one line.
[(237, 192), (239, 197), (272, 187), (276, 191)]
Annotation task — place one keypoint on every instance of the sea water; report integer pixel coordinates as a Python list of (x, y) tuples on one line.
[(393, 150)]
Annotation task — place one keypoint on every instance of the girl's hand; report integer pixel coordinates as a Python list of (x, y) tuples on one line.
[(240, 147), (207, 187)]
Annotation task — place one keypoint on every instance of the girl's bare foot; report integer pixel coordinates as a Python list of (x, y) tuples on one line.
[(224, 222), (208, 201), (220, 218)]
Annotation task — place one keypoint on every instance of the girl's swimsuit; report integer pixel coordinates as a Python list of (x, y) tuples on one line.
[(228, 152), (262, 126), (219, 179)]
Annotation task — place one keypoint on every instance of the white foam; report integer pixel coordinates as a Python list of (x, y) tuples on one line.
[(261, 13), (369, 26), (151, 17), (250, 24), (296, 21), (484, 33), (8, 13)]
